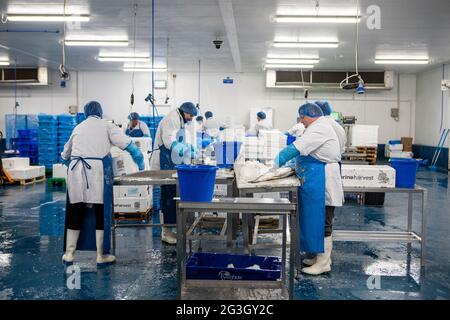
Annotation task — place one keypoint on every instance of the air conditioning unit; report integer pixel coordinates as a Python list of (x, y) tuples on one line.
[(24, 76), (382, 80)]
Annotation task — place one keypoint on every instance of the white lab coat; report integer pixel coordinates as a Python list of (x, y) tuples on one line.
[(263, 124), (321, 142), (297, 130), (340, 133), (212, 127), (166, 134), (93, 137), (141, 125)]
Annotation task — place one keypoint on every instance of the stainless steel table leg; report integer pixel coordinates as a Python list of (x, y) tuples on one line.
[(410, 219), (113, 229), (283, 251), (180, 253), (423, 248), (292, 255), (230, 217)]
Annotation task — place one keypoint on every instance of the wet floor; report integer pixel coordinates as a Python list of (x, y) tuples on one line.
[(31, 228)]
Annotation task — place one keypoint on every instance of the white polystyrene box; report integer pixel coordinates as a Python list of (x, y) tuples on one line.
[(220, 190), (400, 154), (40, 170), (364, 135), (363, 176), (59, 171), (123, 163), (127, 205), (133, 191), (16, 163), (24, 173)]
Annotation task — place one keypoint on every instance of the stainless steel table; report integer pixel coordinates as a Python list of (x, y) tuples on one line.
[(167, 177), (244, 206)]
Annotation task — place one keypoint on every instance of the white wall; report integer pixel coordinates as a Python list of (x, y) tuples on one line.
[(112, 90), (429, 106)]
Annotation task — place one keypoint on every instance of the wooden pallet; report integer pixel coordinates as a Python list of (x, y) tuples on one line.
[(132, 216), (25, 182), (371, 153)]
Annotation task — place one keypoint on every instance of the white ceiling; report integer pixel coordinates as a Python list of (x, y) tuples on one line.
[(409, 27)]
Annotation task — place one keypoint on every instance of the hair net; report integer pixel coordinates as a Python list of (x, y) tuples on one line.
[(93, 108), (189, 107), (310, 110), (208, 114), (261, 115), (199, 118), (133, 116), (325, 106)]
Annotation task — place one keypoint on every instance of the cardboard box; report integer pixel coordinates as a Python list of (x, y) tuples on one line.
[(133, 191), (407, 143), (59, 171), (129, 205), (364, 136), (361, 176), (16, 163)]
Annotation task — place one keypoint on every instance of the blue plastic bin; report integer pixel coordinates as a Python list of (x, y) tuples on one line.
[(406, 170), (226, 153), (214, 266), (196, 183)]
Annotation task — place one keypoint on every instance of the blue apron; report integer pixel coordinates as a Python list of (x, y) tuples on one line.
[(135, 133), (87, 238), (311, 203)]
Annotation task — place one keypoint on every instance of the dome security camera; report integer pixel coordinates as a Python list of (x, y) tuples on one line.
[(217, 44)]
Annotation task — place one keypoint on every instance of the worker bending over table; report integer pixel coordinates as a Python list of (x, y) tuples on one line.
[(135, 127), (317, 156)]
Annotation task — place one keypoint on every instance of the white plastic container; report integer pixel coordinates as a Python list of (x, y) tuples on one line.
[(133, 191), (24, 173), (130, 205), (361, 176), (16, 163), (59, 171), (364, 135)]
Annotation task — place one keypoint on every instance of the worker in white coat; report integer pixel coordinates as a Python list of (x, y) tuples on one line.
[(317, 156), (135, 127), (338, 129), (262, 123), (212, 126), (173, 145), (90, 183), (297, 130)]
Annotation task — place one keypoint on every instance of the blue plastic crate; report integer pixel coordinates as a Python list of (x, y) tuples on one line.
[(47, 117), (215, 266)]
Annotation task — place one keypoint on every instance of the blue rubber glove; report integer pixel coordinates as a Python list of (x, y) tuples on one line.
[(136, 154), (288, 153), (194, 151), (180, 148), (66, 162)]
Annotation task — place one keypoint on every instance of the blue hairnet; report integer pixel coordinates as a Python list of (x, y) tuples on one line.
[(310, 110), (199, 118), (325, 106), (261, 115), (93, 108), (189, 107), (133, 116), (208, 114)]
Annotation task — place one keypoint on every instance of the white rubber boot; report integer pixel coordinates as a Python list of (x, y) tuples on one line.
[(310, 262), (71, 246), (323, 260), (167, 235), (102, 259)]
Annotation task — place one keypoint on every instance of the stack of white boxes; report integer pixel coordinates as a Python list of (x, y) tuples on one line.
[(233, 134), (274, 141), (364, 136), (20, 169), (132, 199), (396, 151), (252, 148)]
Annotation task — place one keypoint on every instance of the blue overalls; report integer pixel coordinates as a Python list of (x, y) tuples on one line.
[(135, 133), (87, 240), (311, 202)]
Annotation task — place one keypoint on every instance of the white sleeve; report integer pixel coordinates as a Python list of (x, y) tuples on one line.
[(117, 137), (170, 127), (309, 142), (67, 152), (144, 128)]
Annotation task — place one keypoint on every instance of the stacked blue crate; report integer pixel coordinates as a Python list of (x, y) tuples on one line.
[(48, 140), (14, 123), (80, 117), (27, 144), (66, 123)]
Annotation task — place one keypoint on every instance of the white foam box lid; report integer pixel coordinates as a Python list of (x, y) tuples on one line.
[(130, 204), (133, 191), (16, 163), (24, 173), (59, 171), (400, 154), (364, 176)]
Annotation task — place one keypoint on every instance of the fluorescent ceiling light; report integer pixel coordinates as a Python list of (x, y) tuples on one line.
[(305, 44), (47, 17), (122, 59), (289, 66), (4, 63), (316, 19), (291, 61), (97, 43), (130, 69), (402, 61)]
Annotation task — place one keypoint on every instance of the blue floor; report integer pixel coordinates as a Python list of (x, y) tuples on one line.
[(31, 227)]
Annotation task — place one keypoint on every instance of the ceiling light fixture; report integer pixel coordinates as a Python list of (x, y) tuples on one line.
[(402, 61), (289, 66), (123, 59), (315, 19), (305, 44), (4, 62), (97, 43), (47, 17), (291, 61)]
